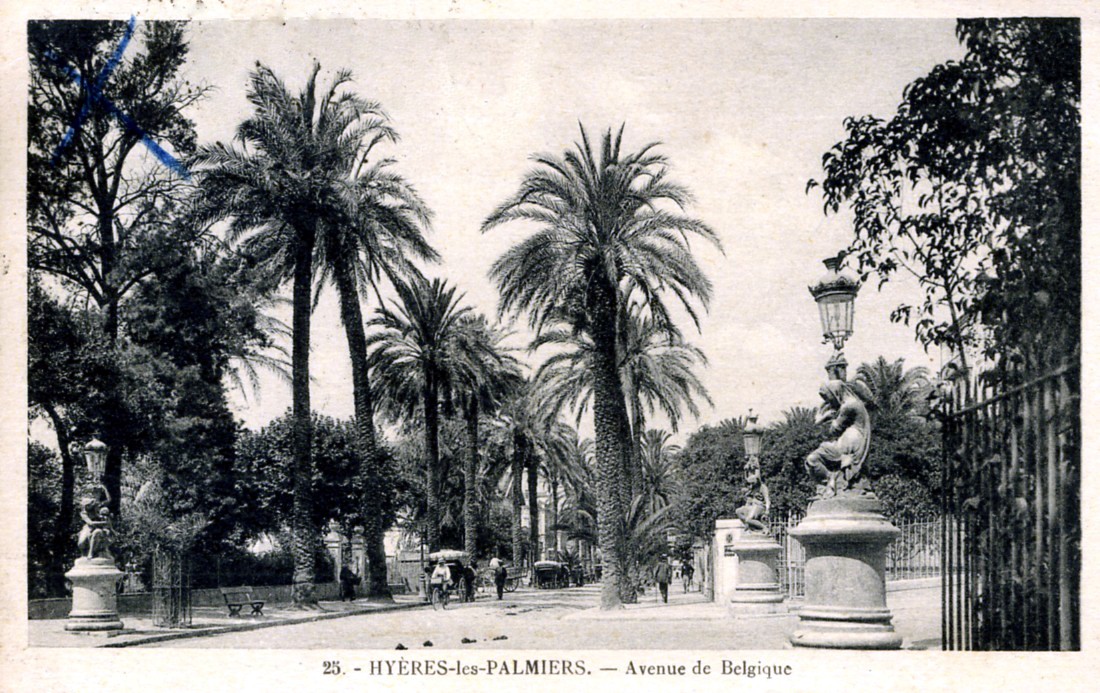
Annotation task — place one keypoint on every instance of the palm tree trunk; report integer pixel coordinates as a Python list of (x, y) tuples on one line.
[(554, 514), (431, 444), (518, 453), (533, 505), (610, 415), (352, 317), (469, 507), (301, 517), (637, 430)]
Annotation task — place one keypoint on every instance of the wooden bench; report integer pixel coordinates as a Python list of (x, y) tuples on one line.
[(237, 597)]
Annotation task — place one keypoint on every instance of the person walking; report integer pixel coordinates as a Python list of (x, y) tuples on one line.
[(687, 572), (663, 575), (500, 575)]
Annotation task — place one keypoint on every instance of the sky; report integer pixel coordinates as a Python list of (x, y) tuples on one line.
[(744, 109)]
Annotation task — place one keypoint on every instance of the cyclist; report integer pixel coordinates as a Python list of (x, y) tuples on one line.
[(441, 578)]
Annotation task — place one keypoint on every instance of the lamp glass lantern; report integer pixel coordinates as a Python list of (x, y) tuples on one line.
[(752, 435), (95, 456), (835, 295)]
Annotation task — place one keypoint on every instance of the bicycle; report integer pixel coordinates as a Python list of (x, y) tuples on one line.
[(441, 596)]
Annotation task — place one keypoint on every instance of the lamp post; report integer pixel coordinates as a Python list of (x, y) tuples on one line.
[(844, 532), (751, 437), (756, 552), (835, 294), (94, 576)]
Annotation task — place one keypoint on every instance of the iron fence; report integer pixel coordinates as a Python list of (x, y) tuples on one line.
[(915, 554), (1012, 530)]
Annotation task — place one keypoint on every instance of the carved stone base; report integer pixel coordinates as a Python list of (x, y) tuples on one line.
[(95, 600), (845, 540), (758, 590)]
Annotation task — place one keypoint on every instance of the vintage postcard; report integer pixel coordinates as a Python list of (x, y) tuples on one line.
[(499, 345)]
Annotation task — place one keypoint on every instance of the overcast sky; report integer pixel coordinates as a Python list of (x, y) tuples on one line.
[(744, 109)]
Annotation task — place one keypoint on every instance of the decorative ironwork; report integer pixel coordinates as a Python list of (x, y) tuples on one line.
[(171, 589)]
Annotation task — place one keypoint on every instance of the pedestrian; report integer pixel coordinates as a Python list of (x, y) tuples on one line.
[(688, 572), (500, 575), (348, 580), (663, 575), (470, 574)]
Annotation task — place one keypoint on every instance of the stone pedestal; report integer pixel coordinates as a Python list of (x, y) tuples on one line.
[(845, 539), (95, 600), (726, 533), (758, 590)]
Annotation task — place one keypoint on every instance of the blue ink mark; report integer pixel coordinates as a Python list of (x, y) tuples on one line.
[(95, 97)]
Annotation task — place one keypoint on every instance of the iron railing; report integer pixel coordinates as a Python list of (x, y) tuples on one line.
[(1012, 530), (915, 554)]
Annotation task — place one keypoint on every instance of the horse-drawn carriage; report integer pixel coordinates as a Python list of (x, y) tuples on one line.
[(551, 574)]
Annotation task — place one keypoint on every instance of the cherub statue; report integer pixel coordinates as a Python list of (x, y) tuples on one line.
[(837, 465), (94, 540), (754, 513)]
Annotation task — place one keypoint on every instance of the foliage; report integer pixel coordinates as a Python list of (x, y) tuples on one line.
[(43, 501), (264, 490), (711, 467), (973, 186)]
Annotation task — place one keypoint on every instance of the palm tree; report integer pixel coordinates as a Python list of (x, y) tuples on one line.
[(603, 224), (564, 468), (896, 391), (291, 173), (376, 240), (656, 365), (485, 375), (412, 359), (658, 470)]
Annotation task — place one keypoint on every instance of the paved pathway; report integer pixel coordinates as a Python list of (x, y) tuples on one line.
[(563, 619)]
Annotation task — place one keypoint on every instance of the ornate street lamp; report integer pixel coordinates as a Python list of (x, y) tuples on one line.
[(94, 576), (752, 435), (835, 294), (95, 456)]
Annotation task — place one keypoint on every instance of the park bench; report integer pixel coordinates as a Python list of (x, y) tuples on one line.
[(237, 597)]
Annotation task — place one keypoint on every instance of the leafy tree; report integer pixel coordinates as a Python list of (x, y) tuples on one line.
[(711, 466), (44, 494), (603, 234), (98, 207), (973, 186), (265, 491), (291, 176)]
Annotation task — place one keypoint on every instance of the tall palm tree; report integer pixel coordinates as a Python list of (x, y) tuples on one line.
[(658, 470), (291, 172), (896, 391), (374, 241), (603, 224), (412, 358), (485, 375)]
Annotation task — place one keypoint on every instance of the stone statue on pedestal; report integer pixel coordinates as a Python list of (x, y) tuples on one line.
[(754, 513), (94, 540), (837, 465)]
